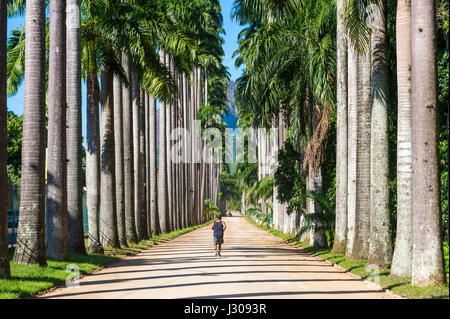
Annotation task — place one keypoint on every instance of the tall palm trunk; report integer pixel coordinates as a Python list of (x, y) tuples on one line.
[(143, 168), (351, 150), (147, 163), (168, 127), (318, 238), (362, 227), (130, 223), (341, 132), (162, 176), (93, 152), (185, 153), (427, 265), (119, 161), (57, 218), (108, 214), (4, 253), (153, 170), (380, 247), (135, 97), (30, 247), (74, 157), (402, 259)]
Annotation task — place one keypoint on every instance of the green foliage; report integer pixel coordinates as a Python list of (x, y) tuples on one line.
[(14, 146), (322, 220), (443, 78), (263, 217), (211, 208), (229, 187)]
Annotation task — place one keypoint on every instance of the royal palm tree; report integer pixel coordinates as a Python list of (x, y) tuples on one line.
[(351, 151), (162, 163), (402, 258), (30, 247), (427, 262), (143, 189), (74, 155), (154, 219), (109, 235), (341, 131), (4, 253), (57, 218), (119, 158), (128, 154), (380, 248)]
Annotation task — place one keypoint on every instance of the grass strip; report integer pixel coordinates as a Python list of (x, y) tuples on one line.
[(27, 281), (399, 286)]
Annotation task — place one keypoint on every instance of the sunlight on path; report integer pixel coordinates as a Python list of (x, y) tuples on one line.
[(254, 264)]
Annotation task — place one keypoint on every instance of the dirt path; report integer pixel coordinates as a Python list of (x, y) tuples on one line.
[(254, 264)]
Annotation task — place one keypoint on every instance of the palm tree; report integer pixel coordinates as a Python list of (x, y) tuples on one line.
[(351, 151), (162, 172), (142, 171), (154, 219), (402, 258), (362, 230), (128, 154), (380, 248), (427, 263), (30, 247), (135, 97), (119, 158), (109, 235), (93, 150), (74, 156), (57, 218), (341, 131), (4, 253)]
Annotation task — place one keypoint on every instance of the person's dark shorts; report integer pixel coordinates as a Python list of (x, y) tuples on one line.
[(218, 240)]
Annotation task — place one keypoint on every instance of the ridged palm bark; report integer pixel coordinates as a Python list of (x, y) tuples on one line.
[(186, 152), (93, 152), (135, 97), (402, 259), (427, 264), (318, 238), (147, 163), (130, 223), (57, 218), (193, 173), (142, 171), (30, 247), (4, 253), (351, 147), (362, 221), (168, 144), (341, 132), (380, 247), (199, 192), (119, 161), (74, 134), (109, 234), (162, 174), (154, 219)]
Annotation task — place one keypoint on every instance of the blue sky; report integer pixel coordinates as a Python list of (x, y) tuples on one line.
[(231, 27)]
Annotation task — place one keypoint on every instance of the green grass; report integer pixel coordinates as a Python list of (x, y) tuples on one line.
[(27, 281), (399, 286)]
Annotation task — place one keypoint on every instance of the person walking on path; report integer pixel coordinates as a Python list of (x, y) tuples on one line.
[(218, 227)]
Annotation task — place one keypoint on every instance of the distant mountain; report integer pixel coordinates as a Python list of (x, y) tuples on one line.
[(231, 118)]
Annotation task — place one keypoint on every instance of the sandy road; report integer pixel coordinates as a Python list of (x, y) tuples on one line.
[(254, 264)]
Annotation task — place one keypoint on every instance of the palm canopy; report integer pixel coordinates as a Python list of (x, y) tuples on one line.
[(289, 65)]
